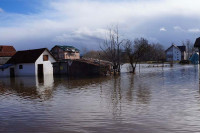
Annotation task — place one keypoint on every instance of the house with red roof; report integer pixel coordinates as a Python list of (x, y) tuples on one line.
[(6, 52)]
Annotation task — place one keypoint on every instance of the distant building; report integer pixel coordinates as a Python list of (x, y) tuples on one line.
[(183, 52), (29, 63), (6, 52), (175, 53), (65, 52), (195, 58)]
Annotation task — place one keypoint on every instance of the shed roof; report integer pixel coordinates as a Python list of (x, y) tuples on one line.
[(27, 56), (197, 43), (7, 51)]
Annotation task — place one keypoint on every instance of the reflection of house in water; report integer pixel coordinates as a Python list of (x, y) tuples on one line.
[(32, 87), (29, 63)]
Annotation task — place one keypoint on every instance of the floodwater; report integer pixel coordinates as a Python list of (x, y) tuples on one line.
[(155, 100)]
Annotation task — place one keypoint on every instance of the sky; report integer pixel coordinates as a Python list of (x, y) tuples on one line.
[(30, 24)]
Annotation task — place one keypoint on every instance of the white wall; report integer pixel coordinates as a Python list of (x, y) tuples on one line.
[(47, 65), (28, 70), (174, 54)]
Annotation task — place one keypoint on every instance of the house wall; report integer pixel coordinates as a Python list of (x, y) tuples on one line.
[(5, 72), (183, 56), (28, 70), (60, 68), (57, 53), (176, 54), (47, 65), (169, 54), (60, 54), (173, 54), (72, 56), (3, 60)]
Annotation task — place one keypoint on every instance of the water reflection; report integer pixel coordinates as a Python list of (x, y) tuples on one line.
[(143, 94), (116, 97), (29, 87), (154, 100), (129, 93)]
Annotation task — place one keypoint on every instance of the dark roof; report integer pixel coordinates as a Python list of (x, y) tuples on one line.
[(182, 48), (27, 56), (67, 48), (7, 51), (173, 45), (197, 42)]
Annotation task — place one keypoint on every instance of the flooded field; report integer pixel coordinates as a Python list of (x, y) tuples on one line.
[(155, 100)]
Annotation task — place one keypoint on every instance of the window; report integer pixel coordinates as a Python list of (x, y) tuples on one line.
[(45, 57), (20, 66)]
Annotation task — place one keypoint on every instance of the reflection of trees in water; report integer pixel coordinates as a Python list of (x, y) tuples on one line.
[(116, 97), (137, 87), (131, 87), (129, 94), (83, 82), (143, 94)]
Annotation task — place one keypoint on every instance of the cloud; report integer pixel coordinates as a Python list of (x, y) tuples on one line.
[(191, 30), (195, 30), (178, 28), (63, 21), (1, 10), (163, 29)]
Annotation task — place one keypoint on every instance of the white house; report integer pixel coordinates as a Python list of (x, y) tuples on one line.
[(36, 62), (175, 53)]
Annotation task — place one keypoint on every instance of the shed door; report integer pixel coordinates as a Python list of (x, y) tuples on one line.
[(40, 70), (12, 72)]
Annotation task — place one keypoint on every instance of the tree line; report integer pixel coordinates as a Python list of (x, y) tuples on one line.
[(119, 51)]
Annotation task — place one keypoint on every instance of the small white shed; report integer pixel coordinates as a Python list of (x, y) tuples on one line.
[(36, 62)]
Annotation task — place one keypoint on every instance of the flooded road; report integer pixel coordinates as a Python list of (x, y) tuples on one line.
[(155, 100)]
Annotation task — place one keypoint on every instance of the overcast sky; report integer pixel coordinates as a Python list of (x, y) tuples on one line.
[(28, 24)]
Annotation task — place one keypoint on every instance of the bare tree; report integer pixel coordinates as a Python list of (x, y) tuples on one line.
[(135, 51), (129, 49), (189, 47), (157, 52), (94, 54), (112, 48)]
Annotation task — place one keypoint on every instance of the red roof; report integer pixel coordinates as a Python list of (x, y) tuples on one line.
[(7, 51)]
